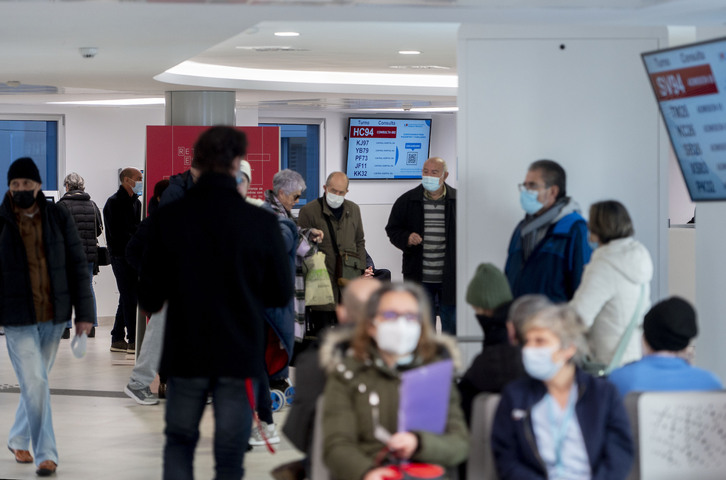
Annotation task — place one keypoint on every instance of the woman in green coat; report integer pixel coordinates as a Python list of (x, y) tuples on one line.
[(362, 389)]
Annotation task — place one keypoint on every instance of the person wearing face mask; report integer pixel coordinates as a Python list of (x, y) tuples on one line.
[(559, 422), (362, 390), (500, 360), (549, 248), (614, 294), (422, 224), (122, 216), (343, 242), (45, 276)]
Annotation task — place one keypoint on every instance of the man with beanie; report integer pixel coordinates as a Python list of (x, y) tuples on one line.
[(122, 216), (668, 329), (44, 276), (500, 361)]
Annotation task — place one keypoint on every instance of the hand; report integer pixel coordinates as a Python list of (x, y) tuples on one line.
[(368, 273), (414, 239), (381, 473), (403, 444), (83, 327), (316, 235)]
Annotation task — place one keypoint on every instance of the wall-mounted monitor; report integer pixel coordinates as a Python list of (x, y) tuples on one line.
[(690, 86), (387, 148)]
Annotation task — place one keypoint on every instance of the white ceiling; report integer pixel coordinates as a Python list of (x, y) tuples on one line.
[(138, 41)]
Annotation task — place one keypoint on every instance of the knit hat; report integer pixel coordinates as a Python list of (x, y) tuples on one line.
[(23, 167), (245, 168), (670, 325), (489, 288)]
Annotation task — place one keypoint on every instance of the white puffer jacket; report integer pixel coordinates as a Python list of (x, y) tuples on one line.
[(608, 295)]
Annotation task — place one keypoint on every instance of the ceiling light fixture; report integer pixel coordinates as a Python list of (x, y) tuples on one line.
[(287, 34), (409, 52), (115, 103), (414, 109)]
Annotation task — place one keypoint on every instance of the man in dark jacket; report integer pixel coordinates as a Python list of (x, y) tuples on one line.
[(217, 262), (87, 218), (422, 225), (122, 215), (549, 248), (44, 275)]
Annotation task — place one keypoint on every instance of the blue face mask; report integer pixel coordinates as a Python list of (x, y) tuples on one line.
[(529, 202), (139, 188), (538, 362), (430, 183), (593, 245)]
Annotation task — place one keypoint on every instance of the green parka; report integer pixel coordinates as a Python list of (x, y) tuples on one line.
[(349, 446)]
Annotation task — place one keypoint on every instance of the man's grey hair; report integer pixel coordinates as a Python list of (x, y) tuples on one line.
[(444, 166), (73, 181), (287, 181)]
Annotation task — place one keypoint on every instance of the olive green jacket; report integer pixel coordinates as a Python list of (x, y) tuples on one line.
[(349, 447), (348, 233)]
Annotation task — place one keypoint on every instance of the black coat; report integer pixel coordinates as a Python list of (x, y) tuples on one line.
[(121, 215), (219, 262), (67, 268), (87, 218), (407, 216)]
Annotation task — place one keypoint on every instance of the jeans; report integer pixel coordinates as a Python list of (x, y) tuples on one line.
[(32, 350), (126, 281), (446, 312), (95, 312), (147, 363), (185, 402)]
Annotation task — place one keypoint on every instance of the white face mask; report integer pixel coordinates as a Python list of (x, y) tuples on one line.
[(399, 337), (538, 362), (334, 201)]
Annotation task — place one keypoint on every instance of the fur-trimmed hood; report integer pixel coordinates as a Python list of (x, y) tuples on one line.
[(335, 348)]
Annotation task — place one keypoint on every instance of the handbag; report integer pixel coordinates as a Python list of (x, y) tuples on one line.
[(599, 369), (103, 256), (318, 290)]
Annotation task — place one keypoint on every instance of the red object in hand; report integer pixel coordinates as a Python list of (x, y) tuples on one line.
[(418, 471)]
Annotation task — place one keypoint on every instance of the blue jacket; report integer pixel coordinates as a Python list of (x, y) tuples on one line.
[(600, 413), (555, 266), (661, 373)]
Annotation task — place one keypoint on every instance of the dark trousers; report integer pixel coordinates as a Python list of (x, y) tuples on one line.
[(186, 400), (445, 311), (126, 280)]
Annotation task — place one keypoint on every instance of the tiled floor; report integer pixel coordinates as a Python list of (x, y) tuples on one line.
[(101, 433)]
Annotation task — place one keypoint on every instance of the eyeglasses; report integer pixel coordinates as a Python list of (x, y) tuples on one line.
[(296, 197), (391, 316), (530, 186)]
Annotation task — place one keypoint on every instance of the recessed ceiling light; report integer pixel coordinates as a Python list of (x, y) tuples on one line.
[(409, 52), (287, 34)]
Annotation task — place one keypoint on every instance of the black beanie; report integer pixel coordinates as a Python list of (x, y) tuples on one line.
[(670, 325), (24, 167)]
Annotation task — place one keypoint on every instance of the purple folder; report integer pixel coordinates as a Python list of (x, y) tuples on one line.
[(424, 397)]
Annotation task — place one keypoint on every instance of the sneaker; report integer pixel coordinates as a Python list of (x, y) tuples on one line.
[(93, 332), (143, 396), (120, 346), (66, 334), (131, 348), (270, 432)]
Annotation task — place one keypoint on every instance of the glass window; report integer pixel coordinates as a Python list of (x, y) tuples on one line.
[(300, 151), (37, 139)]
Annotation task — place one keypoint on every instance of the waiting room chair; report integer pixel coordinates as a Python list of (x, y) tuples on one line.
[(678, 435), (480, 465), (318, 469)]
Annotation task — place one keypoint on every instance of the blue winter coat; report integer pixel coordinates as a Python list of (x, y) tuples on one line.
[(600, 413), (555, 266)]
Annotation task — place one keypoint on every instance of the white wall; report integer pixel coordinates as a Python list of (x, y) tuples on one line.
[(588, 106)]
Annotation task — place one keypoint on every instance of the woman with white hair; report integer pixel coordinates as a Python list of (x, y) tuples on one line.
[(87, 217), (559, 422)]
